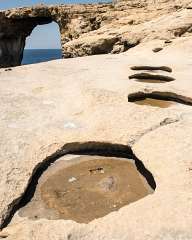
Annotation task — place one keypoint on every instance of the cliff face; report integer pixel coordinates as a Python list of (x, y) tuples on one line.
[(93, 28), (17, 24)]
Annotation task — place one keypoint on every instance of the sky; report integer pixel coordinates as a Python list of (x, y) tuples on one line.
[(44, 36)]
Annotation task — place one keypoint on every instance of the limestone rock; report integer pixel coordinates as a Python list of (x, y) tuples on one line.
[(90, 106), (90, 29), (91, 93)]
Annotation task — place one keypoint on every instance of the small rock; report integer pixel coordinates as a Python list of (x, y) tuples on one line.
[(119, 48), (72, 179)]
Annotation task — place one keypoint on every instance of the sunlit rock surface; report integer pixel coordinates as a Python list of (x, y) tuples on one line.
[(51, 109), (90, 29)]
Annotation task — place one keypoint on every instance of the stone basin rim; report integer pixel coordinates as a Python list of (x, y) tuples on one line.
[(76, 148)]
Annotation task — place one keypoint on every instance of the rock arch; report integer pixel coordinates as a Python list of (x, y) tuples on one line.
[(17, 24), (110, 27)]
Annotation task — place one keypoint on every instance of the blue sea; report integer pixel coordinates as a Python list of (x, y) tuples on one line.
[(31, 56)]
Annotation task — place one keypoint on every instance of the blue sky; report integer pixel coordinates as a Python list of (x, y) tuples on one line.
[(45, 36)]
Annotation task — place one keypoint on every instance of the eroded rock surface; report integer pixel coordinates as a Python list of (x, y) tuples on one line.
[(52, 108), (95, 28), (85, 188)]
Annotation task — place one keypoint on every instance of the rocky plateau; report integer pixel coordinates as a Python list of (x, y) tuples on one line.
[(134, 107)]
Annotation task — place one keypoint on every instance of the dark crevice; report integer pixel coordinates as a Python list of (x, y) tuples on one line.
[(34, 20), (166, 96), (145, 172), (158, 49), (152, 68), (150, 76), (88, 148)]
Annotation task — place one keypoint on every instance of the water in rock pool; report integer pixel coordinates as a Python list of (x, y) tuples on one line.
[(149, 81), (155, 103), (86, 188), (31, 56)]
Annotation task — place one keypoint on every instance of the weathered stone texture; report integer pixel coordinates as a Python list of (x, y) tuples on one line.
[(90, 29), (74, 101)]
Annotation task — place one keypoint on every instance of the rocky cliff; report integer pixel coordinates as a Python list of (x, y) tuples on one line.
[(94, 28)]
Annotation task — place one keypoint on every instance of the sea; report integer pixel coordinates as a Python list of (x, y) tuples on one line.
[(32, 56)]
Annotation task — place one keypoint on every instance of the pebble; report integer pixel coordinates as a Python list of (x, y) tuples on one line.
[(72, 179)]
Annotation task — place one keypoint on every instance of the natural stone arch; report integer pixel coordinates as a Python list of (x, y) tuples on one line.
[(118, 32), (43, 44), (17, 24), (12, 40)]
